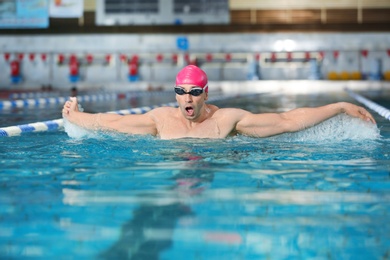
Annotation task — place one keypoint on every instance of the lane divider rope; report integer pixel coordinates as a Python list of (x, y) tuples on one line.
[(25, 95), (370, 104), (18, 103), (57, 124)]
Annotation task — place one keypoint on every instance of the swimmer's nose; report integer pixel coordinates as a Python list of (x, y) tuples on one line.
[(188, 98)]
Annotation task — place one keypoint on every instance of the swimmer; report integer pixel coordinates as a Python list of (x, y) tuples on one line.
[(194, 118)]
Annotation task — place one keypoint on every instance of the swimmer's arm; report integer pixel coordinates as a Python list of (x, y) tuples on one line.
[(132, 124), (263, 125)]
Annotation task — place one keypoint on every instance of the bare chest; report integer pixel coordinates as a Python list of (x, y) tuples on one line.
[(173, 129)]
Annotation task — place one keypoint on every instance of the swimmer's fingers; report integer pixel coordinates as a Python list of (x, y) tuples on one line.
[(73, 104), (65, 111), (69, 102), (365, 115), (70, 105), (359, 112)]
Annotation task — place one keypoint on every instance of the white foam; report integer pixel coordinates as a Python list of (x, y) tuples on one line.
[(75, 131), (338, 128)]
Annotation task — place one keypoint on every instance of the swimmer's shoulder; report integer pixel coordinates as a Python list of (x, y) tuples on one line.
[(160, 114), (213, 108), (162, 111), (232, 115), (231, 110)]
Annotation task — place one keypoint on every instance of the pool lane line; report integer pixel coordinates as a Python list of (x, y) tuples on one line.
[(56, 124), (370, 104), (7, 104), (19, 103), (37, 94), (32, 127)]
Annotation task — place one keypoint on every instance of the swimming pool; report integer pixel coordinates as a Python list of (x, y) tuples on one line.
[(323, 193)]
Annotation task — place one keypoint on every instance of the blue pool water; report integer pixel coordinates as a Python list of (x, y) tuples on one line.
[(319, 194)]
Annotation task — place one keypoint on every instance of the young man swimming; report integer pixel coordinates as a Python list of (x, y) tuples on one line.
[(196, 119)]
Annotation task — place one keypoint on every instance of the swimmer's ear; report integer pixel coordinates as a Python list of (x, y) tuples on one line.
[(206, 96)]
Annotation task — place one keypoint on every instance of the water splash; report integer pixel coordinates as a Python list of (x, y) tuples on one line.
[(77, 132), (338, 128)]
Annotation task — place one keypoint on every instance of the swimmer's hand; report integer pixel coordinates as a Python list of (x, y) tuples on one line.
[(70, 107), (357, 111), (75, 114)]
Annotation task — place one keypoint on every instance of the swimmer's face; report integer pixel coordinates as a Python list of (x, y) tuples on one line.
[(191, 106)]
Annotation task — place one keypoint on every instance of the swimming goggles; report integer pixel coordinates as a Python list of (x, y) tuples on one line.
[(193, 92)]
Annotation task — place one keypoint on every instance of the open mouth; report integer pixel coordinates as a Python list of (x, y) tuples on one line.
[(189, 110)]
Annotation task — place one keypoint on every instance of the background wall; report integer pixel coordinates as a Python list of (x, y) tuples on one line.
[(277, 56), (251, 16), (279, 39)]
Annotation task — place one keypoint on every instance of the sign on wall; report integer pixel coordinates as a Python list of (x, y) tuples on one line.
[(163, 12), (66, 8), (24, 14)]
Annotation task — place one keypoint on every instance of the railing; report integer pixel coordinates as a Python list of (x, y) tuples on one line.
[(73, 67)]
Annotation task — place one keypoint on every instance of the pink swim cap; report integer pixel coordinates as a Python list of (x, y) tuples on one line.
[(192, 75)]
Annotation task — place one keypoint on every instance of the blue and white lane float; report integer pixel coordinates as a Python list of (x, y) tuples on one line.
[(31, 102), (7, 104), (26, 95), (33, 127), (370, 104), (19, 103), (56, 124)]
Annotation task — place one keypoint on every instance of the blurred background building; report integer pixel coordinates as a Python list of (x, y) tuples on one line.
[(59, 43)]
